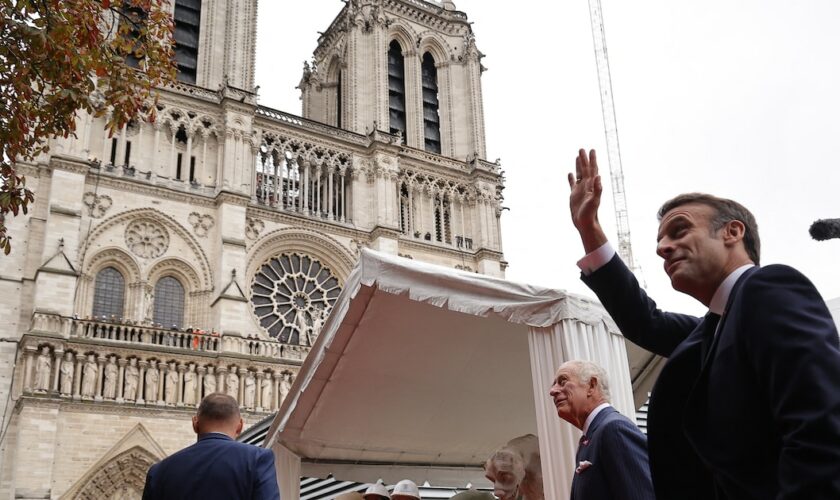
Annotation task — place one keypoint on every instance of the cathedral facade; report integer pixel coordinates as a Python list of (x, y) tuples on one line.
[(203, 251)]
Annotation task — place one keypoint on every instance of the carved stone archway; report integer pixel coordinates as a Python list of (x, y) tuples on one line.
[(122, 478)]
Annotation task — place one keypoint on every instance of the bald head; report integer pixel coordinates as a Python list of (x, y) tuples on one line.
[(218, 413)]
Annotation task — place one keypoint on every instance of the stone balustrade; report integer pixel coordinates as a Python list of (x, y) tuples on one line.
[(76, 371), (117, 332)]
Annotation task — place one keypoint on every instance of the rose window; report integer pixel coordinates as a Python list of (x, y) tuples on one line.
[(146, 239), (292, 295)]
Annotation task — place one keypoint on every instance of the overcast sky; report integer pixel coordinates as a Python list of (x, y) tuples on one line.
[(739, 98)]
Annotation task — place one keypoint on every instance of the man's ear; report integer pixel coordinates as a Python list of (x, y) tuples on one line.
[(593, 383), (195, 423), (239, 428), (733, 232)]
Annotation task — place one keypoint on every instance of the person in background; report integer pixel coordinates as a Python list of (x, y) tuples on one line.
[(611, 460), (217, 466)]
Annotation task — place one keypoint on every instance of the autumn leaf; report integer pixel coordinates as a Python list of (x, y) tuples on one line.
[(53, 55)]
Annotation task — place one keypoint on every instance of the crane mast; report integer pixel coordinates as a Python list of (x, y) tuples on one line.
[(599, 40)]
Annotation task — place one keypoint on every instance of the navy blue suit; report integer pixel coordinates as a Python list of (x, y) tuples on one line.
[(759, 417), (216, 467), (617, 452)]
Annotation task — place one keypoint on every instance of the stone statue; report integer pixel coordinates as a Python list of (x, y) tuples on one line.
[(285, 386), (303, 328), (152, 382), (515, 470), (233, 385), (66, 375), (89, 377), (265, 396), (109, 390), (149, 297), (209, 382), (43, 368), (250, 390), (318, 317), (170, 392), (190, 383), (132, 376)]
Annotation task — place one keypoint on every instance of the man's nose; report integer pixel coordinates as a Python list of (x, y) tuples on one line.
[(664, 248)]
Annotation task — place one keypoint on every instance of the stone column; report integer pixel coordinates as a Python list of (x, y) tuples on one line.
[(57, 360), (77, 377), (180, 393), (463, 230), (242, 373), (276, 395), (173, 170), (342, 197), (221, 378), (412, 216), (121, 380), (157, 126), (317, 184), (304, 186), (258, 392), (28, 362), (199, 387), (101, 359), (163, 370), (330, 192), (141, 384)]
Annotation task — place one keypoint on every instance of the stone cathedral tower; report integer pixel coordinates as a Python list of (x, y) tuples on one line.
[(202, 252)]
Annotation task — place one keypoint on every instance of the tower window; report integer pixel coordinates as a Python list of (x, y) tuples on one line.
[(187, 24), (396, 89), (431, 118)]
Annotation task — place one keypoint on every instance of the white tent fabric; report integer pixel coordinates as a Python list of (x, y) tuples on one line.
[(420, 372)]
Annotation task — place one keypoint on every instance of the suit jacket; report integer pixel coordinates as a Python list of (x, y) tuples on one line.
[(617, 452), (759, 418), (216, 467)]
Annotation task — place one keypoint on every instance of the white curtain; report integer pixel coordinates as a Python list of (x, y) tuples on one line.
[(550, 347), (287, 466)]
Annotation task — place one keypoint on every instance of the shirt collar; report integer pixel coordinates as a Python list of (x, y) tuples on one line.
[(721, 296), (592, 416)]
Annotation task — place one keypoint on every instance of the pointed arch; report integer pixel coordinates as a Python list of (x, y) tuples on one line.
[(432, 43), (121, 470), (403, 34), (199, 259)]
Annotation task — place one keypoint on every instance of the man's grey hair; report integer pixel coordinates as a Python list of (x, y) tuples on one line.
[(587, 370)]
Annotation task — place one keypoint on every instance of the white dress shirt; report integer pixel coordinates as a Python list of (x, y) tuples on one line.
[(592, 416)]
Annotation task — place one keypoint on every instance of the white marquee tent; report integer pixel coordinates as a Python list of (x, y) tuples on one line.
[(421, 372)]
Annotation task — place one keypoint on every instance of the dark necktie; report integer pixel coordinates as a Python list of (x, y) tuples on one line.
[(710, 323)]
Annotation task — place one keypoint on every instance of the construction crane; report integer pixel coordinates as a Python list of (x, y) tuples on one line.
[(599, 40)]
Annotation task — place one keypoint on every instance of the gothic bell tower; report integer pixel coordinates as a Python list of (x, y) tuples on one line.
[(215, 42), (408, 67)]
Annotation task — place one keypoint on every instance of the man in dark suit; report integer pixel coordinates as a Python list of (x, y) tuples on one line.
[(216, 467), (611, 459), (747, 406)]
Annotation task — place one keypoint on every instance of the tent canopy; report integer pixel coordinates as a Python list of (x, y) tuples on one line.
[(421, 372)]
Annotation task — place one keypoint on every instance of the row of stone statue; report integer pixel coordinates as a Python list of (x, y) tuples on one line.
[(107, 377)]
